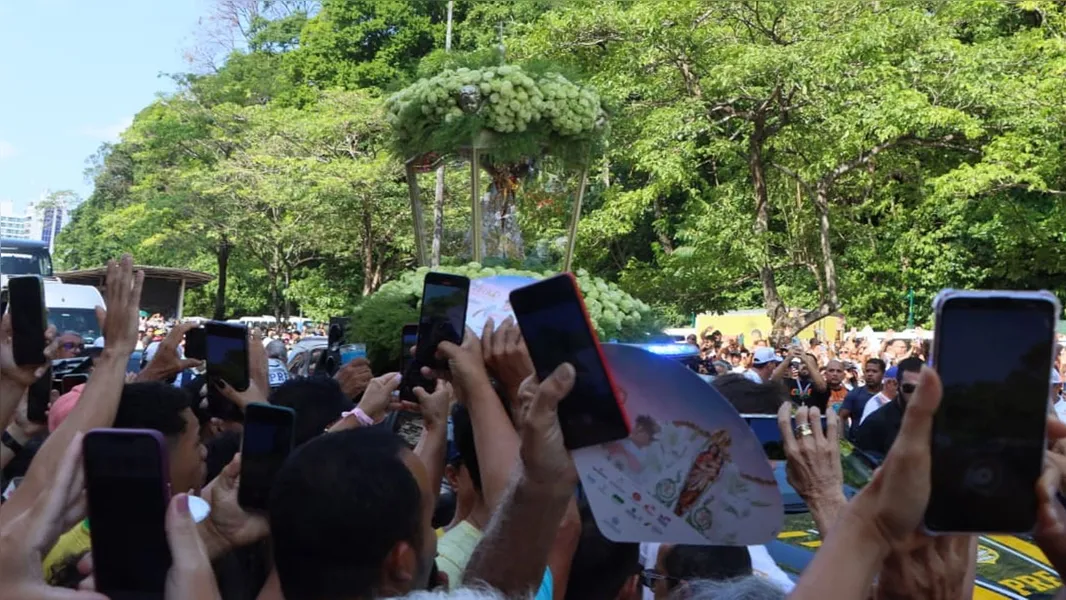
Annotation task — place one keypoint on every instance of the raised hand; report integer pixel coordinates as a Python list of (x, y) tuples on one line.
[(22, 375), (465, 363), (813, 459), (191, 576), (378, 398), (354, 377), (167, 362), (506, 355), (544, 455), (435, 407), (120, 320), (228, 526)]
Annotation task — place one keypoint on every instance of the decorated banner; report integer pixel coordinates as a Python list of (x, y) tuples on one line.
[(691, 472), (491, 297)]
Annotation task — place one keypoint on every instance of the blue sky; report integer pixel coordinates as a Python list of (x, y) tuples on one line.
[(72, 75)]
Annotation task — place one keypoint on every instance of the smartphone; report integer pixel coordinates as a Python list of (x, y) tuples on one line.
[(443, 318), (71, 381), (38, 397), (268, 440), (29, 319), (557, 329), (227, 353), (988, 433), (128, 489), (196, 343)]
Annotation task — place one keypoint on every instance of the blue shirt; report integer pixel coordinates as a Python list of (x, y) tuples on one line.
[(855, 402)]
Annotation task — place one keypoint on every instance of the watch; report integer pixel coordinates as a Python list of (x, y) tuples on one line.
[(9, 441)]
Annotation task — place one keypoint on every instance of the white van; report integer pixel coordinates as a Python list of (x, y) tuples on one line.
[(73, 308)]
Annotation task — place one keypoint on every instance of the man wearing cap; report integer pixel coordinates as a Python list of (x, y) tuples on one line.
[(762, 365), (278, 373)]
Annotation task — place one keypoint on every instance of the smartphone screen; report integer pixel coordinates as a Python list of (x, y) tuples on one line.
[(227, 353), (556, 329), (988, 434), (268, 440), (28, 319), (72, 381), (196, 343), (443, 317), (127, 485)]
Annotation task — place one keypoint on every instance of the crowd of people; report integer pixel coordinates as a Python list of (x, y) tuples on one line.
[(355, 513)]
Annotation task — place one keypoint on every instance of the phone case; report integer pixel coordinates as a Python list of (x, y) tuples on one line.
[(938, 305)]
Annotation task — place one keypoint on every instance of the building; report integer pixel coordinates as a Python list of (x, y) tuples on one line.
[(48, 221), (15, 226)]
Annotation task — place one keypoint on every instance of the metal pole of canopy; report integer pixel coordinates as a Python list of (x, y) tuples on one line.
[(416, 212), (568, 263), (475, 203)]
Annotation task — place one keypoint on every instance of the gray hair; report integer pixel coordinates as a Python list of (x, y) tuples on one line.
[(752, 587), (463, 593), (276, 349)]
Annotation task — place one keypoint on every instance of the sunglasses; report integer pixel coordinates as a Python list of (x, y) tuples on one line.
[(908, 388), (72, 346), (649, 577)]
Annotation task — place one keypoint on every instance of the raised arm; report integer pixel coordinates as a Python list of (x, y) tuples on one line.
[(99, 401), (816, 375), (432, 446), (15, 379)]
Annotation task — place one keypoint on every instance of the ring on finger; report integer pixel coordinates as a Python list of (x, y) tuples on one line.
[(804, 429)]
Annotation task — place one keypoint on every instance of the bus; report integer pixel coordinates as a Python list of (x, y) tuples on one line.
[(24, 257)]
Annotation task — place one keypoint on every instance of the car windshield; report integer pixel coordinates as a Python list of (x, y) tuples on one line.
[(25, 262), (79, 320)]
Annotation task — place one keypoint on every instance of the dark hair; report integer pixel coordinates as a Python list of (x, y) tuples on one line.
[(911, 364), (600, 567), (876, 361), (152, 405), (749, 397), (339, 505), (687, 562), (318, 402), (463, 433)]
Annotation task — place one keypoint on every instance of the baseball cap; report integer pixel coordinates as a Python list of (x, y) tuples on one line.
[(892, 373), (765, 355)]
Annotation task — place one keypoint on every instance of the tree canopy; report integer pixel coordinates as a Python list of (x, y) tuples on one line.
[(801, 156)]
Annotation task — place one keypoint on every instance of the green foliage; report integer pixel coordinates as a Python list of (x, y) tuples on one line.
[(380, 317), (529, 111)]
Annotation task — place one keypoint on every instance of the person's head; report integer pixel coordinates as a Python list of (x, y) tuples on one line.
[(890, 382), (747, 396), (644, 431), (350, 517), (602, 569), (834, 374), (804, 371), (70, 345), (168, 410), (462, 470), (764, 361), (898, 348), (909, 371), (276, 349), (318, 402), (735, 358), (679, 563), (721, 367), (874, 372), (751, 587), (691, 339)]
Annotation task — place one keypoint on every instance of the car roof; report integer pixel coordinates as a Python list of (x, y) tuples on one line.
[(9, 243), (66, 295)]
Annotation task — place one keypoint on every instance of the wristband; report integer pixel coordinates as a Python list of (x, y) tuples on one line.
[(7, 440), (360, 415)]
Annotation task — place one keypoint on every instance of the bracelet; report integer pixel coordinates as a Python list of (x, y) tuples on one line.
[(8, 440), (360, 415)]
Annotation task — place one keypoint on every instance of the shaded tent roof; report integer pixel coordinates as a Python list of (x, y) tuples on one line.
[(98, 276)]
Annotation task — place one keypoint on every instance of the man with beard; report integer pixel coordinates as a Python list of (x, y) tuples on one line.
[(834, 380), (855, 400), (878, 431), (806, 386)]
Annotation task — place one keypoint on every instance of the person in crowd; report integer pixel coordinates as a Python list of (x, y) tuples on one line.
[(806, 386), (763, 363), (722, 367), (889, 390), (602, 569), (749, 397), (1058, 403), (678, 564), (855, 400), (277, 371), (834, 381), (71, 345), (691, 340), (879, 430), (744, 588)]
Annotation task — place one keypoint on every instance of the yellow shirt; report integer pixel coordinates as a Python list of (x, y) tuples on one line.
[(454, 550), (75, 542)]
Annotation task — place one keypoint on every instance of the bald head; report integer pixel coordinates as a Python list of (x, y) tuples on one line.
[(834, 374)]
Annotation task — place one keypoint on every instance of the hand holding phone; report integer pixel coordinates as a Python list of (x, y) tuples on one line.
[(443, 316), (196, 343), (268, 440), (556, 327), (227, 353)]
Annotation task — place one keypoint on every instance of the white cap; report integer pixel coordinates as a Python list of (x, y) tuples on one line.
[(765, 355), (99, 343), (1055, 378)]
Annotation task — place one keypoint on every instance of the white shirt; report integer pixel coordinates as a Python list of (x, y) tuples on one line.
[(753, 376), (1060, 409), (875, 402)]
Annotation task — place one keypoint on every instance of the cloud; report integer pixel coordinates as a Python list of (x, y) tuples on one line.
[(107, 133), (7, 149)]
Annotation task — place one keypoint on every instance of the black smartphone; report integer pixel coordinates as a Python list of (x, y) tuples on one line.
[(556, 327), (71, 381), (343, 324), (29, 319), (443, 317), (128, 488), (268, 440), (227, 353), (38, 397), (989, 433), (196, 343)]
